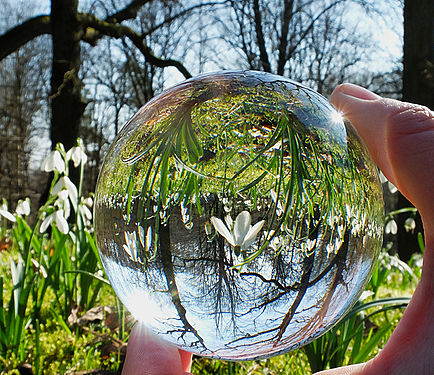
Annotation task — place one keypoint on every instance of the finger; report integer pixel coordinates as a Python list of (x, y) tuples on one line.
[(347, 370), (400, 138), (147, 354)]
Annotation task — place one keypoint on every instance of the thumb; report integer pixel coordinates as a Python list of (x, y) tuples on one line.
[(147, 354), (400, 138)]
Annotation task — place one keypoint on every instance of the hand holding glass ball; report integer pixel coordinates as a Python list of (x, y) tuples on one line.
[(237, 215)]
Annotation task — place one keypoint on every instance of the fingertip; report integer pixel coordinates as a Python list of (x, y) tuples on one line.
[(349, 91), (367, 112), (148, 354), (186, 359)]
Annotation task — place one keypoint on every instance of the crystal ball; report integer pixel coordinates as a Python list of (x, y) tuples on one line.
[(238, 215)]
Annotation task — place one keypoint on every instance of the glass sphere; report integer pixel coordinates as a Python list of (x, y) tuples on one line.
[(238, 216)]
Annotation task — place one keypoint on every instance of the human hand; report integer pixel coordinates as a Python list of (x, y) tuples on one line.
[(400, 137)]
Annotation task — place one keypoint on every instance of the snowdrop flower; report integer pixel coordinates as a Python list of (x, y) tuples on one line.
[(130, 246), (53, 162), (77, 155), (6, 214), (365, 294), (39, 267), (392, 188), (410, 224), (88, 202), (59, 219), (308, 245), (391, 227), (382, 177), (63, 203), (17, 271), (85, 213), (65, 184), (242, 236), (23, 207), (146, 241), (275, 242), (279, 207)]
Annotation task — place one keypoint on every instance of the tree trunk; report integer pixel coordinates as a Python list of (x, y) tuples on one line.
[(67, 106), (418, 87)]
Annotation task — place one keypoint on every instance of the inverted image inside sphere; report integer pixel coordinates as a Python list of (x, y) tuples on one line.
[(238, 216)]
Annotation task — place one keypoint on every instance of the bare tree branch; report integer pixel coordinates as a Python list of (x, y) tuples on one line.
[(23, 33), (311, 25), (183, 13), (120, 31), (91, 36), (129, 12)]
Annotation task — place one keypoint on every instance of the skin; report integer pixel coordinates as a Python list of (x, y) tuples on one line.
[(400, 138)]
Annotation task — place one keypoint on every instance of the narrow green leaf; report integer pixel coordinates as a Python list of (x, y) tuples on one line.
[(130, 187), (164, 170), (97, 277), (2, 311), (253, 183), (58, 318), (421, 242), (369, 345), (91, 242)]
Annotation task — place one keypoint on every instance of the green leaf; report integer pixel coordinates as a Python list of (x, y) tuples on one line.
[(369, 345), (130, 187), (164, 170), (97, 277), (192, 143), (91, 241), (58, 318)]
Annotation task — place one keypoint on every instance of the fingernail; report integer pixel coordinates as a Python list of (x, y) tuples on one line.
[(356, 91)]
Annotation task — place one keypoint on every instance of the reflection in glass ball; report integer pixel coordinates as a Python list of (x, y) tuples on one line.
[(238, 216)]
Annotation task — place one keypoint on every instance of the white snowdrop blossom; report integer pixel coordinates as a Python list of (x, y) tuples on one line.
[(85, 213), (130, 246), (392, 188), (365, 294), (39, 267), (63, 203), (53, 162), (307, 246), (77, 155), (17, 271), (6, 214), (23, 207), (57, 217), (146, 241), (382, 177), (242, 235), (276, 242), (88, 202), (410, 224), (65, 184), (391, 227)]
